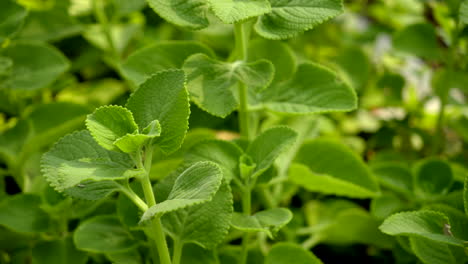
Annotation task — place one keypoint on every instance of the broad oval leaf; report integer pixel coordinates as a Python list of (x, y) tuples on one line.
[(231, 11), (77, 157), (191, 14), (163, 97), (145, 62), (433, 177), (109, 123), (313, 89), (269, 221), (427, 224), (11, 18), (206, 224), (419, 40), (196, 185), (57, 251), (22, 213), (288, 253), (213, 84), (431, 252), (103, 234), (394, 176), (463, 12), (291, 17), (35, 66), (91, 190), (330, 167)]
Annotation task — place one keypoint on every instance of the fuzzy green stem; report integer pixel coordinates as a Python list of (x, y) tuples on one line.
[(134, 198), (177, 254), (246, 208), (155, 225), (242, 40)]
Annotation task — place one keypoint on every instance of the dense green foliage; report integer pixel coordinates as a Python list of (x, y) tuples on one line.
[(233, 131)]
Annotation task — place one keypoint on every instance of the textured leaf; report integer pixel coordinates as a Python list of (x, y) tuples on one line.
[(57, 251), (109, 123), (131, 143), (77, 157), (287, 253), (269, 221), (433, 177), (145, 62), (313, 89), (419, 40), (291, 17), (90, 190), (163, 97), (121, 35), (11, 18), (463, 15), (394, 176), (331, 168), (225, 154), (196, 185), (213, 84), (22, 213), (264, 153), (231, 11), (103, 234), (35, 66), (206, 224), (431, 252), (191, 14), (426, 224)]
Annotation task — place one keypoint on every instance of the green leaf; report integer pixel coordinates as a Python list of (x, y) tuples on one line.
[(213, 84), (291, 17), (269, 221), (419, 40), (11, 18), (463, 14), (126, 257), (145, 62), (22, 213), (465, 195), (426, 224), (196, 185), (92, 191), (103, 234), (131, 143), (313, 89), (57, 251), (347, 59), (232, 11), (109, 123), (431, 252), (121, 35), (225, 154), (206, 224), (331, 168), (279, 53), (77, 157), (433, 177), (35, 66), (191, 14), (264, 153), (163, 97), (385, 205), (394, 176), (287, 253)]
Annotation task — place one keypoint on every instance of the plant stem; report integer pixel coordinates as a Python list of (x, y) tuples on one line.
[(100, 13), (242, 39), (246, 202), (177, 254), (134, 198), (155, 226)]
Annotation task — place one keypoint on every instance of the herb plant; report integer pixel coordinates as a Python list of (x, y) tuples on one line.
[(221, 131)]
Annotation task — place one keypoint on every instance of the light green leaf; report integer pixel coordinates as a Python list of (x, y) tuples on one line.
[(121, 35), (103, 234), (431, 252), (90, 190), (57, 251), (385, 205), (269, 221), (125, 7), (145, 62), (77, 157), (131, 143), (331, 168), (426, 224), (433, 177), (206, 224), (109, 123), (126, 257), (291, 17), (22, 213), (191, 14), (224, 153), (196, 185), (231, 11), (458, 220), (264, 153), (394, 176), (419, 40), (163, 97), (213, 84), (347, 59), (11, 18), (287, 253), (35, 66), (463, 15), (313, 89)]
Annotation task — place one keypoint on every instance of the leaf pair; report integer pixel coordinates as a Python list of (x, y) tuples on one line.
[(277, 19)]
